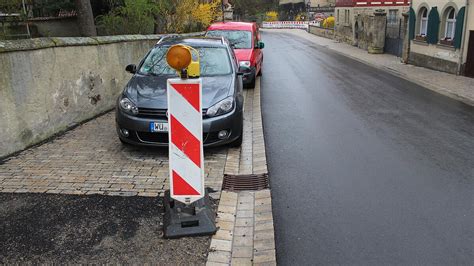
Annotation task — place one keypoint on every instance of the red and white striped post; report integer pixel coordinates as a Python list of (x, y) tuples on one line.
[(188, 210), (186, 156)]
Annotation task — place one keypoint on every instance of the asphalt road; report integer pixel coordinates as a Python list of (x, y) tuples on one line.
[(366, 168)]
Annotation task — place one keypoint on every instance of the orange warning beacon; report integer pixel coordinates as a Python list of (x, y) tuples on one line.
[(180, 58)]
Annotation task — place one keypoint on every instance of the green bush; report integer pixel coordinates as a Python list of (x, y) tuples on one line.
[(134, 17)]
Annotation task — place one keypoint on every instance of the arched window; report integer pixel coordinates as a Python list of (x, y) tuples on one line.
[(450, 18), (423, 21)]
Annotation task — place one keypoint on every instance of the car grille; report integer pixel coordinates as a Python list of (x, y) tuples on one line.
[(159, 137), (159, 113)]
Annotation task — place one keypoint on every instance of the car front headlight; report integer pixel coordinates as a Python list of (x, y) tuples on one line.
[(244, 63), (222, 107), (128, 106)]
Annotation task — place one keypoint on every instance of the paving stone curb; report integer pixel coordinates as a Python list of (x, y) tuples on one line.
[(245, 233)]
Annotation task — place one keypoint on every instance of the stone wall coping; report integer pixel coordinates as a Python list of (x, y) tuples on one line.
[(50, 42), (323, 28)]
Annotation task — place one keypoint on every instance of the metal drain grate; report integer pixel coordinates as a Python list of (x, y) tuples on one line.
[(245, 182)]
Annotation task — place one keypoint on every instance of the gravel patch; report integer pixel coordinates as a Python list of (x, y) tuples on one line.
[(65, 229)]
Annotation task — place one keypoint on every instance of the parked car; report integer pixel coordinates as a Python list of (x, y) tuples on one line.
[(245, 39), (143, 102)]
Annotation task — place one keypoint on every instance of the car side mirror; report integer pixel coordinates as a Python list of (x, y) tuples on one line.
[(131, 68), (261, 45)]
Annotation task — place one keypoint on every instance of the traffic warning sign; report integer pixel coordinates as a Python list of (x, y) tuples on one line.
[(186, 155)]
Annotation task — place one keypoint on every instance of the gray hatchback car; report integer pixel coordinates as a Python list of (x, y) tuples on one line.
[(143, 103)]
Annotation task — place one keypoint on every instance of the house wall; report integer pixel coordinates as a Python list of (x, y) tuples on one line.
[(344, 25), (438, 56), (469, 27), (321, 3)]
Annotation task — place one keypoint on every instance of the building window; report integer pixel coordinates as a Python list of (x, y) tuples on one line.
[(392, 18), (423, 21), (450, 24)]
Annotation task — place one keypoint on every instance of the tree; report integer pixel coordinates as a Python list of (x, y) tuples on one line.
[(163, 7), (271, 16), (252, 9), (85, 18), (131, 17), (158, 16)]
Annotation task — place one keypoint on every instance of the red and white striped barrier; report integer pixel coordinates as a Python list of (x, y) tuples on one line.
[(285, 25), (186, 156)]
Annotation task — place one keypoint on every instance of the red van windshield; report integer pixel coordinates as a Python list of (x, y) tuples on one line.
[(238, 38)]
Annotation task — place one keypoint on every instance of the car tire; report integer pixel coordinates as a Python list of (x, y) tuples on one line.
[(251, 85), (125, 143), (238, 142)]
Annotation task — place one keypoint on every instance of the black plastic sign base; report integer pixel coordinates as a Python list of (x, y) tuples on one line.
[(181, 220)]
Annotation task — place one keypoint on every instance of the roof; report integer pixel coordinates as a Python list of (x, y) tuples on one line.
[(371, 3), (284, 2), (232, 26), (193, 41)]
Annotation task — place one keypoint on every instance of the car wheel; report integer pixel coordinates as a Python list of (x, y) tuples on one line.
[(251, 85), (238, 142), (124, 143)]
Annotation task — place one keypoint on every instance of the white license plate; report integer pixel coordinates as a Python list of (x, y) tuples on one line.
[(159, 127)]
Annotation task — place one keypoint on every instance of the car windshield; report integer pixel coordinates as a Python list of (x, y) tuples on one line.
[(213, 62), (238, 38)]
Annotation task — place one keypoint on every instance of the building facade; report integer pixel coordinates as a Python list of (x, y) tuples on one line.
[(352, 15), (441, 35), (321, 8)]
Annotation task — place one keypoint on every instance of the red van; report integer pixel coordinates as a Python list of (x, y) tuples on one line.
[(245, 39)]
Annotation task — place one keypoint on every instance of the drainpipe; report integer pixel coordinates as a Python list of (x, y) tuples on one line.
[(463, 41)]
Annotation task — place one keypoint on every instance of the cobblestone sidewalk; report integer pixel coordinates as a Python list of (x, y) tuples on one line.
[(456, 87), (245, 219), (91, 160)]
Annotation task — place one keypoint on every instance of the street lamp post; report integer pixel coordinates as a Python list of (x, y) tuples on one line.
[(308, 8), (223, 11)]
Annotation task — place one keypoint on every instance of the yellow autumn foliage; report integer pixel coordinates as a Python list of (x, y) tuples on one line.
[(329, 22), (205, 14), (189, 12), (271, 16)]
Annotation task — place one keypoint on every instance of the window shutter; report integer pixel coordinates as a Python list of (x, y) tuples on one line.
[(433, 26), (459, 28), (411, 24)]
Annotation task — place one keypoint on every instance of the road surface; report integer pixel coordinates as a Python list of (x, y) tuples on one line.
[(366, 168)]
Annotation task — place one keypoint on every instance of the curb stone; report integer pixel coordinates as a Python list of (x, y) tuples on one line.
[(245, 233)]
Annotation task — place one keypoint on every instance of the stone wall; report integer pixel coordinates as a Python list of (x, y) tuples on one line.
[(370, 32), (322, 32), (354, 24), (48, 85), (345, 34)]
